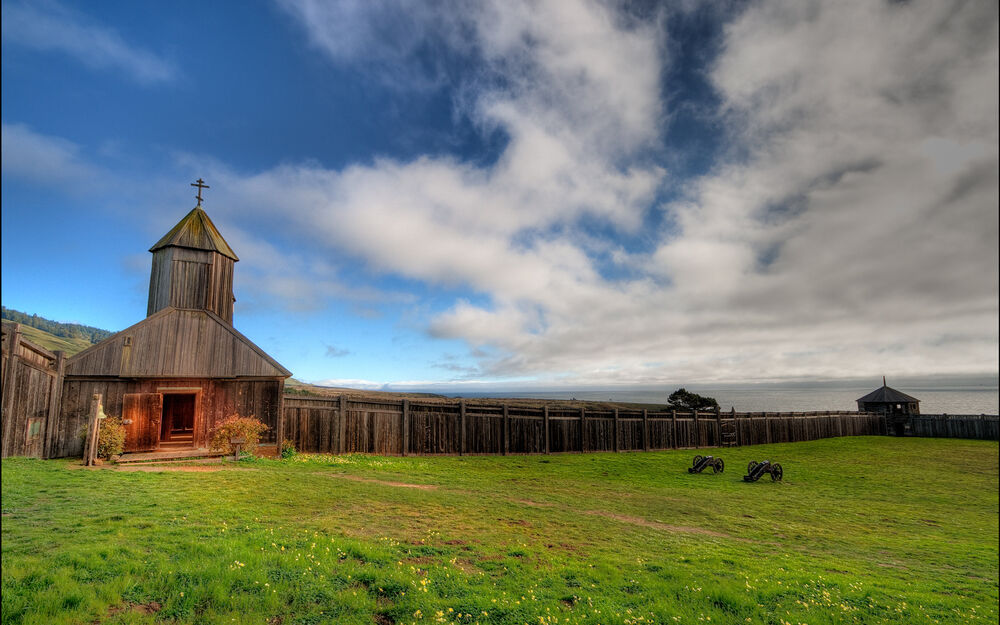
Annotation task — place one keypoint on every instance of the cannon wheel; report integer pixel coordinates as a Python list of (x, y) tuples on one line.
[(753, 463), (697, 459), (719, 465), (776, 472)]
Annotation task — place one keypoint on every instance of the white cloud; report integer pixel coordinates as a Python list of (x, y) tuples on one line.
[(49, 25), (43, 159), (852, 230)]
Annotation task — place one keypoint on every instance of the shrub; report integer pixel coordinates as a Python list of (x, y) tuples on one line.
[(110, 438), (287, 449), (236, 426)]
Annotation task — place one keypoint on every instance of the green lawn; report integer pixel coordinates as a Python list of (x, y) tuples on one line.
[(862, 530)]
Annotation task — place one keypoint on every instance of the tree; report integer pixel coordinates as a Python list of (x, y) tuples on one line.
[(684, 400)]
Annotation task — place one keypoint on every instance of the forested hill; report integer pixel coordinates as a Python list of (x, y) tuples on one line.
[(56, 328)]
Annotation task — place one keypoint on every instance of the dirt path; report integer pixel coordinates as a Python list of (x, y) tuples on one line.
[(355, 478), (658, 525)]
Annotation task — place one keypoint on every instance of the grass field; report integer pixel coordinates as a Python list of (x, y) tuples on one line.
[(862, 530)]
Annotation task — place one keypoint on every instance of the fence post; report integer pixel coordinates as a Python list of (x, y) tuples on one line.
[(718, 426), (506, 430), (406, 426), (767, 427), (736, 428), (55, 404), (645, 429), (697, 430), (342, 426), (673, 428), (13, 341), (279, 426), (617, 425), (461, 428), (93, 430), (583, 429), (545, 419)]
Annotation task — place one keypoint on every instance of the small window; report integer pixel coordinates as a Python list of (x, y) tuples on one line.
[(128, 341)]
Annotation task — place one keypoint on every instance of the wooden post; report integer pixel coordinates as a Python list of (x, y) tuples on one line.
[(583, 429), (697, 429), (545, 420), (673, 428), (461, 428), (235, 443), (93, 430), (342, 426), (279, 434), (718, 426), (737, 435), (617, 425), (406, 427), (55, 404), (767, 427), (13, 342), (645, 429), (506, 430)]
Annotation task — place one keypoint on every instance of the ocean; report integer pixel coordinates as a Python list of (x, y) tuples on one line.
[(776, 398)]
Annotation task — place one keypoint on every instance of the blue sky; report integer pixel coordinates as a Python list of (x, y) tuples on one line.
[(514, 194)]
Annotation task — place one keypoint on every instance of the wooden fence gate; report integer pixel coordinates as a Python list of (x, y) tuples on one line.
[(32, 389)]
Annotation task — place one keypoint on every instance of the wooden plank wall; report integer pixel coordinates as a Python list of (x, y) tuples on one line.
[(342, 425), (216, 400), (983, 427), (178, 343), (189, 278), (31, 383)]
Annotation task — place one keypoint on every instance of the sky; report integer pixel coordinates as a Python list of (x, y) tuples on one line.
[(512, 193)]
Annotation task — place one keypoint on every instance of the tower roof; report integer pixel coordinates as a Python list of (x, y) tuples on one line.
[(887, 395), (196, 231)]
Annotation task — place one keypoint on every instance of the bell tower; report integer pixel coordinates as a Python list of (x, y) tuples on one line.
[(193, 267)]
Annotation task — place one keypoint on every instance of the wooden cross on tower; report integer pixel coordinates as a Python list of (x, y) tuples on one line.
[(201, 185)]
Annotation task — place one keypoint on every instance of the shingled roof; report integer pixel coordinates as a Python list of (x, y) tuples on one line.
[(888, 395), (196, 231)]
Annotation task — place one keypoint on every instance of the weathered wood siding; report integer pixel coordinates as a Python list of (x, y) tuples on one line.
[(31, 378), (176, 343), (188, 278), (141, 414), (215, 400), (341, 425), (982, 427)]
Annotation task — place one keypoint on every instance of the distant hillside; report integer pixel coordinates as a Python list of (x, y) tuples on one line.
[(54, 343), (71, 338)]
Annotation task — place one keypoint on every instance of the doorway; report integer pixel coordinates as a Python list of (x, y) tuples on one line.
[(177, 424)]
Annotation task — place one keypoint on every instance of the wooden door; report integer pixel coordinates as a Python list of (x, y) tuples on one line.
[(141, 414), (33, 437)]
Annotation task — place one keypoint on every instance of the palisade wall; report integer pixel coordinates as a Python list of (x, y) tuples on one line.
[(32, 389), (978, 426), (403, 427)]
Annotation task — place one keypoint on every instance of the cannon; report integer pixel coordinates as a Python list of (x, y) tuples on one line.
[(703, 462), (756, 470)]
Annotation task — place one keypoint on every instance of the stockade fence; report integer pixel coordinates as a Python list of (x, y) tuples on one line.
[(32, 386), (32, 389), (404, 427), (980, 426)]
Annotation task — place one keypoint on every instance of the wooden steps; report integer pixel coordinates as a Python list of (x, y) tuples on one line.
[(169, 456)]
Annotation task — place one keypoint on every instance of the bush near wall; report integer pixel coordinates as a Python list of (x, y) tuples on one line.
[(235, 426), (111, 437)]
